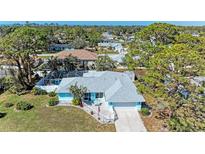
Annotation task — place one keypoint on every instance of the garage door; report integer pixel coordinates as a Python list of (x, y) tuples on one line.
[(127, 105)]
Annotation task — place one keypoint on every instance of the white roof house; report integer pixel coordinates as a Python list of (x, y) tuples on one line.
[(117, 87)]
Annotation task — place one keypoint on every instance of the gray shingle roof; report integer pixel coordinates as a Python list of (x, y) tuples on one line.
[(117, 86)]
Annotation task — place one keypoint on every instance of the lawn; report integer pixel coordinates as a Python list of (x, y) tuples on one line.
[(46, 119)]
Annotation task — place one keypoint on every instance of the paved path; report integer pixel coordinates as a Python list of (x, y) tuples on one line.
[(129, 120)]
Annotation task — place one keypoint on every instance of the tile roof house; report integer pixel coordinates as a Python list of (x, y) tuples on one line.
[(86, 58), (80, 54), (114, 89)]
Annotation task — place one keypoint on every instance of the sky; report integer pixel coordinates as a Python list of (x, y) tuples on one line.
[(108, 23)]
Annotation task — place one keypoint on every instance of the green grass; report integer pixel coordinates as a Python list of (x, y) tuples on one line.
[(45, 119)]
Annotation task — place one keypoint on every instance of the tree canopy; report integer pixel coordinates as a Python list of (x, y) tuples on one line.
[(171, 57), (159, 33), (20, 48), (105, 63)]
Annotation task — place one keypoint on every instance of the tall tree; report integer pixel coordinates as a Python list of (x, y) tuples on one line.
[(79, 43), (78, 92), (168, 79), (158, 33), (54, 64), (70, 63), (188, 39), (20, 48)]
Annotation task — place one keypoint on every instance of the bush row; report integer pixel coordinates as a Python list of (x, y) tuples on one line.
[(23, 106), (53, 101), (38, 91)]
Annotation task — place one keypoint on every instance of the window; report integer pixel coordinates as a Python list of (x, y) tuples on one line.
[(99, 95), (87, 96)]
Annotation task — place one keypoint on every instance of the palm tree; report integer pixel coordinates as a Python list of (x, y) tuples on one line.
[(70, 63), (54, 64), (78, 93)]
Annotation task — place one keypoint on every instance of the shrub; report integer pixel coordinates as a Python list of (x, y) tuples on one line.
[(6, 83), (52, 94), (145, 111), (17, 89), (23, 106), (38, 91), (8, 105), (53, 101), (76, 101), (200, 90), (2, 115)]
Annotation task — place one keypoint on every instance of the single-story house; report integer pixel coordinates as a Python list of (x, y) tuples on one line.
[(198, 80), (113, 89), (87, 58)]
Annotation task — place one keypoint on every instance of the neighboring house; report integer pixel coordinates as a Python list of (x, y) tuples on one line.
[(107, 36), (60, 47), (113, 89), (119, 48), (198, 81), (195, 34), (119, 58), (115, 46), (86, 57), (128, 37), (107, 41), (136, 57)]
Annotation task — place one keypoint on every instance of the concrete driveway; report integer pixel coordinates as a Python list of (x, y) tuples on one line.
[(129, 120)]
